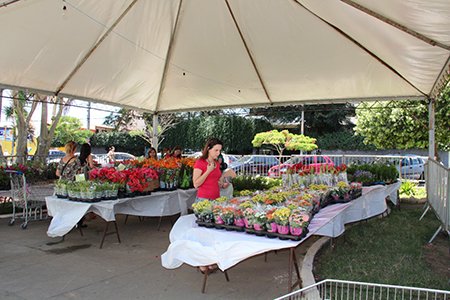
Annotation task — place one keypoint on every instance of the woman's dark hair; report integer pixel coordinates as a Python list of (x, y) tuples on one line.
[(175, 149), (210, 143), (150, 150), (84, 153)]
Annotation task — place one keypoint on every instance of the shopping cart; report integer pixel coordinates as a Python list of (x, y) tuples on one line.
[(28, 202)]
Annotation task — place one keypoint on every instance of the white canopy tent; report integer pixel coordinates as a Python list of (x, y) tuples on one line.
[(172, 55), (179, 55)]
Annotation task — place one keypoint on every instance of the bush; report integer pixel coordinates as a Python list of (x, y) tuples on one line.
[(241, 183), (381, 172)]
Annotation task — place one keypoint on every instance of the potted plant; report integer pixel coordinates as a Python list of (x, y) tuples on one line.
[(203, 211), (281, 216)]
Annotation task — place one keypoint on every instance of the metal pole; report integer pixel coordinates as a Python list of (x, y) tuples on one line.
[(431, 140), (89, 116), (155, 132), (302, 124)]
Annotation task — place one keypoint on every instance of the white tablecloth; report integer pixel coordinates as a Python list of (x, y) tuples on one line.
[(66, 213), (199, 246)]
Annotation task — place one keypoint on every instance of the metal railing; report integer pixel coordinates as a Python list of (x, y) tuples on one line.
[(438, 191), (350, 290), (409, 167)]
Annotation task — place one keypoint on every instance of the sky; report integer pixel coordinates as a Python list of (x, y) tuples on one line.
[(79, 109)]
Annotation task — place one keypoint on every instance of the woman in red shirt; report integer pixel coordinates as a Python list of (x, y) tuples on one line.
[(207, 174)]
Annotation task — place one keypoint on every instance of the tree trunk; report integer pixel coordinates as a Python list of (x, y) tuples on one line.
[(23, 120), (48, 131)]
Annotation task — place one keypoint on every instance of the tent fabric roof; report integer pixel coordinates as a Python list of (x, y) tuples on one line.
[(172, 55)]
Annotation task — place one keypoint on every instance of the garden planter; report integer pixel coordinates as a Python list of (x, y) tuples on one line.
[(258, 227), (239, 222), (272, 227)]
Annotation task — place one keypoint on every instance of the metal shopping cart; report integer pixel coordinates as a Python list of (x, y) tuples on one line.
[(28, 203)]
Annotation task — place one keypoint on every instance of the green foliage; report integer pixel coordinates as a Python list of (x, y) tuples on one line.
[(408, 188), (381, 172), (69, 129), (236, 132), (259, 183), (388, 126), (122, 141), (319, 119), (343, 140), (284, 140), (389, 250)]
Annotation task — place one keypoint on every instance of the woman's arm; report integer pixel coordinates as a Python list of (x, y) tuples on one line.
[(90, 161)]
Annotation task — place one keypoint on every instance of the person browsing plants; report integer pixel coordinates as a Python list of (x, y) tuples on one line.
[(207, 174), (69, 165)]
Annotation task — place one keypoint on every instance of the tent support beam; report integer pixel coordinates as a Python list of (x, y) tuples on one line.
[(392, 69), (431, 138), (396, 25), (248, 52), (89, 53), (168, 57)]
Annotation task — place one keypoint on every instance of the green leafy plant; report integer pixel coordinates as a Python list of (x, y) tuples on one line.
[(408, 188)]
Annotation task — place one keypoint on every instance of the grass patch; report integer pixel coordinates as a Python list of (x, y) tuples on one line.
[(390, 250)]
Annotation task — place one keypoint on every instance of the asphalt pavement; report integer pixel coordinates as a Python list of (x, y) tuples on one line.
[(35, 266)]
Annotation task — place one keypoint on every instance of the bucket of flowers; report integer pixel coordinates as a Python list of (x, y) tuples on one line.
[(239, 218), (271, 226), (298, 222), (355, 190), (203, 210), (186, 171), (260, 221), (228, 216), (248, 212), (281, 216)]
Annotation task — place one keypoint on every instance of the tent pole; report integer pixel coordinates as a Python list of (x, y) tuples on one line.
[(155, 132), (431, 139)]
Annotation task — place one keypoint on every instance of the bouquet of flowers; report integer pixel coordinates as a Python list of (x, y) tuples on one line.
[(203, 210), (228, 215)]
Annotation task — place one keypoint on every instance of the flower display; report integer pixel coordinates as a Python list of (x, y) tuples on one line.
[(281, 216)]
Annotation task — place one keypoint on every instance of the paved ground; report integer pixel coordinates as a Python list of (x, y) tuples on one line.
[(33, 266)]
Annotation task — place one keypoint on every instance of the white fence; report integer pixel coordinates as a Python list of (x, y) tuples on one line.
[(351, 290), (438, 191), (409, 167)]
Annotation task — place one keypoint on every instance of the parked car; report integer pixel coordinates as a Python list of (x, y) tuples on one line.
[(254, 164), (54, 156), (118, 156), (300, 162), (412, 167)]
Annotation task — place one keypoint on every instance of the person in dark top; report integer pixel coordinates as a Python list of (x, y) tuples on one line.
[(86, 160)]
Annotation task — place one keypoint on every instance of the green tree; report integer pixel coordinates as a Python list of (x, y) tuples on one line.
[(284, 140), (69, 129), (319, 119), (404, 124)]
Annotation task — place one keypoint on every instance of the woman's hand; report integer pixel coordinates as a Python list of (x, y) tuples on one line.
[(211, 167)]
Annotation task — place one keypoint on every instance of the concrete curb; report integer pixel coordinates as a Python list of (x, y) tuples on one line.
[(306, 273)]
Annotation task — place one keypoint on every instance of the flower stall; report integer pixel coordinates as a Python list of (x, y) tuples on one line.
[(285, 214), (131, 178)]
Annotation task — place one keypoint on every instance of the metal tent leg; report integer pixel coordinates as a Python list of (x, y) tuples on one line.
[(425, 212), (435, 234)]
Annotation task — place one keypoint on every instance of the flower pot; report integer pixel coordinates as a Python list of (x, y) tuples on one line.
[(239, 222), (283, 229), (247, 224), (228, 221), (296, 231), (272, 227), (258, 227), (218, 220), (335, 197)]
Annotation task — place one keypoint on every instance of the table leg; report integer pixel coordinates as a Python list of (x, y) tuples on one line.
[(293, 264), (105, 233), (205, 278)]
